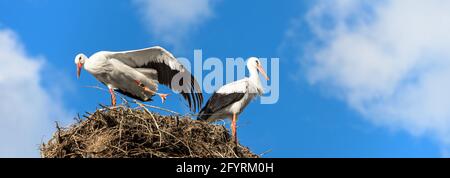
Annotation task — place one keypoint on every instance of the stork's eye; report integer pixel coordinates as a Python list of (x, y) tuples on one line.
[(257, 62)]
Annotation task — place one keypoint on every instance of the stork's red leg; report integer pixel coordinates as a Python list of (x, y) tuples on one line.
[(113, 97), (145, 88), (234, 129), (163, 97)]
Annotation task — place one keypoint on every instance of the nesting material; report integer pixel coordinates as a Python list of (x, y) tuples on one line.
[(123, 132)]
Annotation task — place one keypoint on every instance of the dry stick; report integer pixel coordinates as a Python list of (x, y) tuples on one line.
[(154, 120), (209, 151), (120, 149), (120, 129), (156, 107), (233, 150), (59, 132), (157, 127), (219, 154), (263, 153), (126, 101), (159, 130), (189, 148), (105, 90), (149, 129)]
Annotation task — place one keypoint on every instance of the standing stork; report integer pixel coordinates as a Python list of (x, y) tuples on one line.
[(137, 74), (231, 99)]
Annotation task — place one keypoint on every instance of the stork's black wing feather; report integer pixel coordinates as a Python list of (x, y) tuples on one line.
[(217, 102), (133, 96), (191, 91)]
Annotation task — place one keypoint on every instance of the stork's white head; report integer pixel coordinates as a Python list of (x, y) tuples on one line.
[(80, 59), (253, 63)]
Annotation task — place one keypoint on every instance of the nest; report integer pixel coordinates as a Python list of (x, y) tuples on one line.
[(137, 133)]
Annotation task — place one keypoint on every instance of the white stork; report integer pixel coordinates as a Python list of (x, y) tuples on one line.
[(231, 99), (136, 74)]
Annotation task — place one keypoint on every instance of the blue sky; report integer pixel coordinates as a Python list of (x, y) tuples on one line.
[(348, 75)]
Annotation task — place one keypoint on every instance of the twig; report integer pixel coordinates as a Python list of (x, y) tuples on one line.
[(105, 90), (120, 130), (263, 153), (189, 149), (58, 132), (233, 151), (127, 103), (154, 120), (156, 107)]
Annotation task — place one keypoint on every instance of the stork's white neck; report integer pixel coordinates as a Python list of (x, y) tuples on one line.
[(254, 78), (253, 72)]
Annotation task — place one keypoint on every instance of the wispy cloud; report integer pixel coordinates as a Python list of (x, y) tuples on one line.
[(27, 110), (389, 60), (172, 20)]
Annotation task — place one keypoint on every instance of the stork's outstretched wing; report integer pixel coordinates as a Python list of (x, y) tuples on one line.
[(170, 72)]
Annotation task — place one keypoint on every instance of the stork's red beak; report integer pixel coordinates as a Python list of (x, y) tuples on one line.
[(79, 65), (261, 69)]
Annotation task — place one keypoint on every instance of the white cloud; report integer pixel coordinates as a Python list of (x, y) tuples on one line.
[(389, 60), (27, 110), (172, 20)]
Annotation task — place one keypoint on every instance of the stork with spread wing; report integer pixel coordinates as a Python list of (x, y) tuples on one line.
[(137, 74)]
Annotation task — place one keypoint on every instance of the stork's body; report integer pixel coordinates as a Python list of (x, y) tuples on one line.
[(121, 78), (231, 99), (137, 74)]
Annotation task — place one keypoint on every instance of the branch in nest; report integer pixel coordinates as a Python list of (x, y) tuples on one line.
[(124, 100), (156, 107)]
